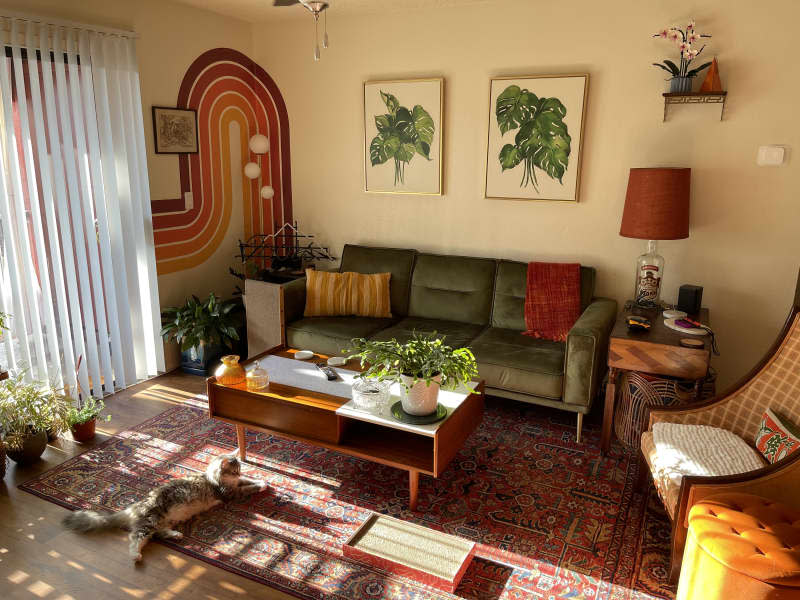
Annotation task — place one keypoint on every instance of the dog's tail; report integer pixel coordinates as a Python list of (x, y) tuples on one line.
[(89, 520)]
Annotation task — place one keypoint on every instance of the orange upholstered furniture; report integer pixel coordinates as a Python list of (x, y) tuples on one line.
[(773, 383), (742, 547)]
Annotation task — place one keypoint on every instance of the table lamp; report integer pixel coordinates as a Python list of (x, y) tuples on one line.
[(656, 208)]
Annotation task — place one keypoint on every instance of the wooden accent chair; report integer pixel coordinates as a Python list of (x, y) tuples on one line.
[(773, 383)]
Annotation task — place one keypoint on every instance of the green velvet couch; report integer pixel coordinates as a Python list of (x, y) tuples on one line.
[(474, 302)]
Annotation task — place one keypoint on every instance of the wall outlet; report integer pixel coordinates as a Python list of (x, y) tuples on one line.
[(770, 156)]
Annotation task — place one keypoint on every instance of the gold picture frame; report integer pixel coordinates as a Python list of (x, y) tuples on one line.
[(498, 186), (378, 178)]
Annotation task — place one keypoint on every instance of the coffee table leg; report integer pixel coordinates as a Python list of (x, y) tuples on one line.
[(241, 438), (413, 489)]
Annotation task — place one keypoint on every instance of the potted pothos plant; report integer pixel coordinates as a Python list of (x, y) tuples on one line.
[(687, 40), (202, 328), (422, 365), (82, 419), (27, 412)]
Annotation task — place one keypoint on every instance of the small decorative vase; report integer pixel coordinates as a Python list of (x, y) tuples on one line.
[(32, 449), (230, 372), (420, 398), (257, 379), (680, 85), (84, 432)]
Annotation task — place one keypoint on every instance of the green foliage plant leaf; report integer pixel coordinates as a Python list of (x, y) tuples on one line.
[(29, 407), (423, 357), (197, 323), (402, 133), (542, 140)]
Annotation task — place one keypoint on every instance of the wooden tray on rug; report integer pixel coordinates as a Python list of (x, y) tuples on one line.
[(402, 548)]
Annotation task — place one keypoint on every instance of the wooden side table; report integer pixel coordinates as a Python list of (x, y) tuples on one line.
[(656, 351)]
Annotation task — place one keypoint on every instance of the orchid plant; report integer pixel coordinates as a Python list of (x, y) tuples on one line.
[(687, 41)]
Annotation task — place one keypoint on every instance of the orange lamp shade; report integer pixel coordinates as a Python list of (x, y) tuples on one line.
[(657, 204)]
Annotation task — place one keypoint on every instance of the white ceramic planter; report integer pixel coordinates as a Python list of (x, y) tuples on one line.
[(421, 398)]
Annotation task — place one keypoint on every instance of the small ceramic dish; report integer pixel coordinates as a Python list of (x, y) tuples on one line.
[(337, 361), (303, 354)]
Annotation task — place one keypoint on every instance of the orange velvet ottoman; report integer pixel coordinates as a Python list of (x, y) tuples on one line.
[(741, 547)]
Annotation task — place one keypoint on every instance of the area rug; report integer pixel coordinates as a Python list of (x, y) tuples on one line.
[(552, 518)]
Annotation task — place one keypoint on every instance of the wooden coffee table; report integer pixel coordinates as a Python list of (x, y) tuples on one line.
[(300, 404)]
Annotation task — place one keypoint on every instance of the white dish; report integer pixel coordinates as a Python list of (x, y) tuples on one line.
[(674, 314), (337, 361), (690, 330), (303, 354)]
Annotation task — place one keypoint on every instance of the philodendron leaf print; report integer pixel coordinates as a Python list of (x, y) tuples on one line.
[(542, 141), (402, 133)]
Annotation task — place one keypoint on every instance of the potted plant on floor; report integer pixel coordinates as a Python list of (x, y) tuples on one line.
[(203, 329), (422, 365), (83, 419), (27, 412)]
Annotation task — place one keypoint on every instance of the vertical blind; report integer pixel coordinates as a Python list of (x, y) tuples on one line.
[(77, 261)]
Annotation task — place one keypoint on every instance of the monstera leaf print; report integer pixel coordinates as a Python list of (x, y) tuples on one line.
[(402, 133), (542, 140)]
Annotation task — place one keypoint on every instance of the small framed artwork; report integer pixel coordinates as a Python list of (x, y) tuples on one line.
[(174, 130), (403, 136), (535, 137)]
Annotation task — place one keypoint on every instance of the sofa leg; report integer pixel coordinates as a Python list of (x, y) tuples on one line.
[(580, 427)]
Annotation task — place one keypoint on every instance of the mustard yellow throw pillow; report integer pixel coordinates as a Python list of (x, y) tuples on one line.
[(347, 294)]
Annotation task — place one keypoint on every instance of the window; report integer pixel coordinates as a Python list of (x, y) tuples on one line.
[(77, 263)]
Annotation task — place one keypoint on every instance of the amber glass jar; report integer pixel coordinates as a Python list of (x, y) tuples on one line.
[(230, 372)]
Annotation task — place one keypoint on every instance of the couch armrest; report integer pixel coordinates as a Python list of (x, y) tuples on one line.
[(587, 348), (294, 300)]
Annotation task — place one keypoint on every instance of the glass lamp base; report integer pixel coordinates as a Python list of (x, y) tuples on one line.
[(649, 271)]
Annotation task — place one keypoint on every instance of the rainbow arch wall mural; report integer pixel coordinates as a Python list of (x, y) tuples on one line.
[(225, 87)]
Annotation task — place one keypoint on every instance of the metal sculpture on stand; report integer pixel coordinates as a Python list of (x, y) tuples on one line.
[(279, 257)]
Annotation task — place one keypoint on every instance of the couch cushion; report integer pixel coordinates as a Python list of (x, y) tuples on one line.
[(452, 288), (457, 335), (331, 335), (509, 293), (674, 450), (519, 363), (397, 261)]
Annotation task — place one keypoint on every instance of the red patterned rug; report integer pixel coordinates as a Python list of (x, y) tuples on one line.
[(552, 518)]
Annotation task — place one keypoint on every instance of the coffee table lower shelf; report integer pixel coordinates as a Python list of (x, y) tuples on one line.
[(311, 418)]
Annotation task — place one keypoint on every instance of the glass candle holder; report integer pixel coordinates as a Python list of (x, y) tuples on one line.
[(371, 394), (257, 379), (230, 372)]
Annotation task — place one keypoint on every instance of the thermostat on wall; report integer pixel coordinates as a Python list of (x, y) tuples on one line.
[(770, 156)]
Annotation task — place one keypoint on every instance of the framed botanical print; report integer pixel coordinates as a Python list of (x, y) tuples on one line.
[(174, 130), (403, 136), (535, 137)]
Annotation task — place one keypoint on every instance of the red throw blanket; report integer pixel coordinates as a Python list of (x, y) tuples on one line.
[(552, 299)]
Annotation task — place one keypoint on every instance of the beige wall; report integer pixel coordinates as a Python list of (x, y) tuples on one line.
[(744, 246), (171, 36)]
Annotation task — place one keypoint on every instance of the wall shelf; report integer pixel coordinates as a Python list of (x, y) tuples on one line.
[(695, 98)]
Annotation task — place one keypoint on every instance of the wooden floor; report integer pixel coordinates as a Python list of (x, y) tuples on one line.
[(39, 559)]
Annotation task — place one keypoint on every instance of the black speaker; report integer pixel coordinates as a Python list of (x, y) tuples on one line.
[(690, 298)]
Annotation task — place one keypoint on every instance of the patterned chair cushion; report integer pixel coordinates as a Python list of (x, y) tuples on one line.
[(673, 450)]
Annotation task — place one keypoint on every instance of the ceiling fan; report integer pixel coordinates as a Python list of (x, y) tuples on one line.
[(316, 8)]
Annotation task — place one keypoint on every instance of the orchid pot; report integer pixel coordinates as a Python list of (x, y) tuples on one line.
[(680, 85)]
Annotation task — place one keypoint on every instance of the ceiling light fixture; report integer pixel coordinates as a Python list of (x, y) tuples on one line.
[(316, 8)]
